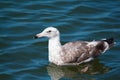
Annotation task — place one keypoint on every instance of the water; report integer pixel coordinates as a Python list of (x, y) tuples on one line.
[(24, 58)]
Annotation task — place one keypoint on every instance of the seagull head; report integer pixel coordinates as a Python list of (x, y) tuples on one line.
[(49, 32)]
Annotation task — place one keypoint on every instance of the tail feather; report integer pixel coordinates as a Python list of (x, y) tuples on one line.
[(103, 46), (110, 41)]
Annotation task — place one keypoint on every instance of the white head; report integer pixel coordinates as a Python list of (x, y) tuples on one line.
[(49, 32)]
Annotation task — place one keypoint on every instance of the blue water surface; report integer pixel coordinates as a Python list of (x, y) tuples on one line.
[(25, 58)]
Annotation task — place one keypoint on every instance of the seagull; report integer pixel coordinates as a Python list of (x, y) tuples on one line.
[(73, 53)]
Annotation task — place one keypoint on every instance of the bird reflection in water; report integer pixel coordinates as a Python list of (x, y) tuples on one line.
[(81, 72)]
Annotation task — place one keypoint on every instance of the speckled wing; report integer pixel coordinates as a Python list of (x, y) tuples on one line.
[(76, 52)]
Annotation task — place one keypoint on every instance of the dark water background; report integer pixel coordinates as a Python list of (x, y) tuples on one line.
[(24, 58)]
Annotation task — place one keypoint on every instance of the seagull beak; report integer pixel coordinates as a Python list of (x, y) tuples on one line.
[(38, 35)]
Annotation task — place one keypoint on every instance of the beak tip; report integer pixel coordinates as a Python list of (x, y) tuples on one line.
[(35, 37)]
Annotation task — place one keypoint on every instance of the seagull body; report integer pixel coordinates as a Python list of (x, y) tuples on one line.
[(73, 53)]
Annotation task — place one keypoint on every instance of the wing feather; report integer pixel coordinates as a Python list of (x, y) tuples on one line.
[(75, 52)]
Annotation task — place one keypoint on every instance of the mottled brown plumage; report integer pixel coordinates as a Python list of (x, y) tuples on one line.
[(78, 51)]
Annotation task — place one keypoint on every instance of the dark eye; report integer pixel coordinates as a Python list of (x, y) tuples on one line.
[(49, 31)]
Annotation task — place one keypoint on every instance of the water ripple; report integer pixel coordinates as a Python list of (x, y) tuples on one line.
[(22, 57)]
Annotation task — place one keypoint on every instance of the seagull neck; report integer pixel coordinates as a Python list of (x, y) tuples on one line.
[(55, 50), (54, 44)]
